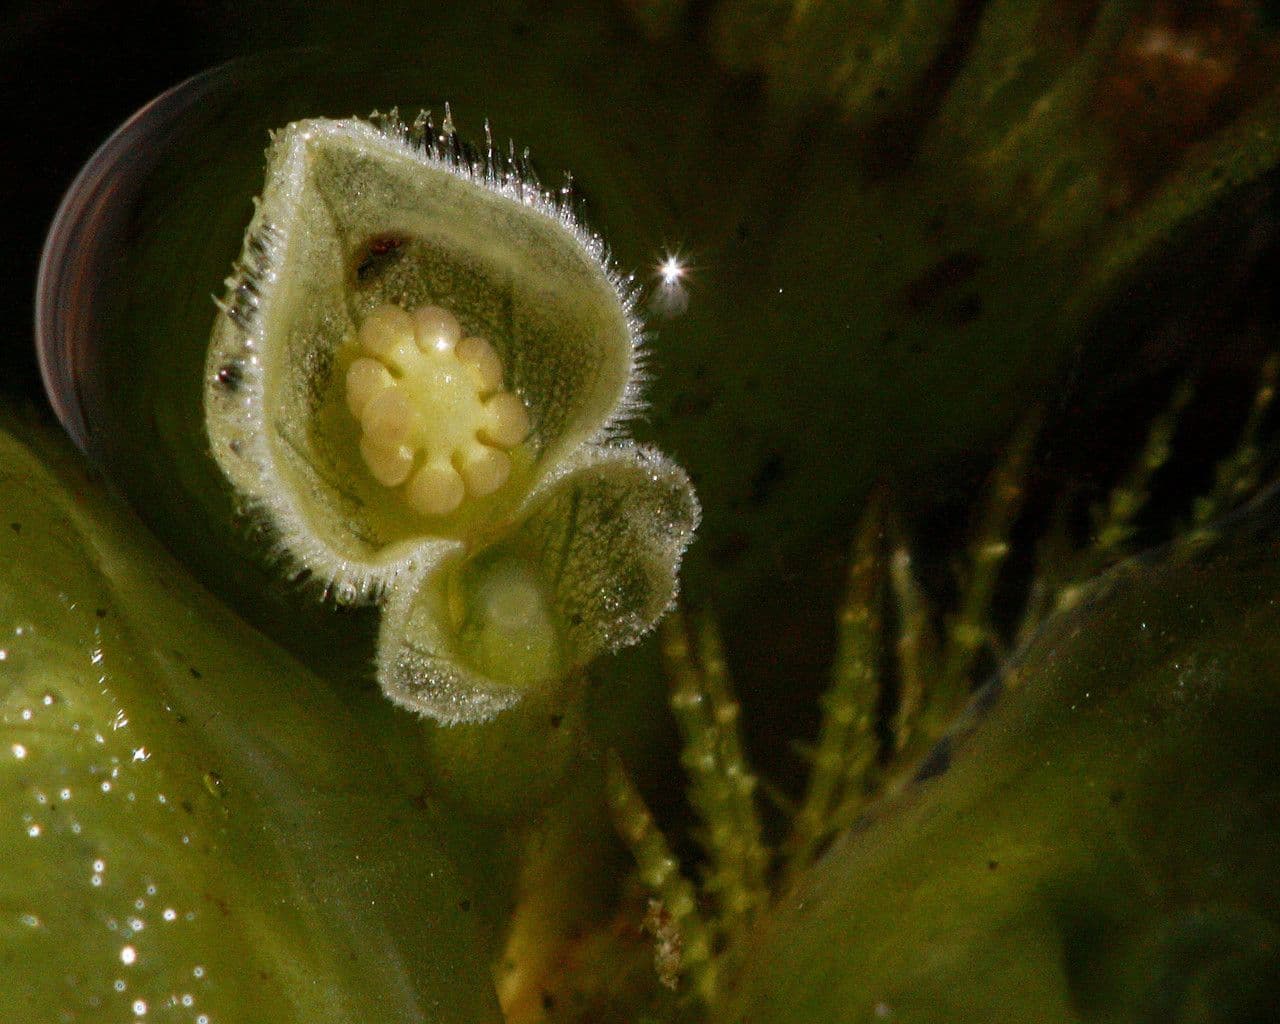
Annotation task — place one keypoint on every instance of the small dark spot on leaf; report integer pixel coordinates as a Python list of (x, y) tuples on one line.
[(16, 527), (557, 721), (464, 905), (992, 865), (196, 673), (230, 376), (379, 254), (100, 613), (1116, 797), (548, 1001), (186, 806)]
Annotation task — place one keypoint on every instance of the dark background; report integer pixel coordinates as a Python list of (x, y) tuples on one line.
[(70, 72)]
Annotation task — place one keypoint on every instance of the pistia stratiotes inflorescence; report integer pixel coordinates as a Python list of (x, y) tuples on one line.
[(420, 377)]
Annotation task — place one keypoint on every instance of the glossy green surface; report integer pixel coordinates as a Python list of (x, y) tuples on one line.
[(191, 823), (1102, 846)]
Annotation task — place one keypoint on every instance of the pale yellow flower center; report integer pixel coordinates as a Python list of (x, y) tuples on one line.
[(435, 420)]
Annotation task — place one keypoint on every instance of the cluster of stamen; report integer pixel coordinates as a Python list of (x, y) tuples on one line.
[(435, 419)]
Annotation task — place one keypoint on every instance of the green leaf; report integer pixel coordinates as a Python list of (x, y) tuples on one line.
[(1097, 842), (190, 821)]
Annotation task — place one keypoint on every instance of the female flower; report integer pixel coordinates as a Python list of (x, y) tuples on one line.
[(420, 376)]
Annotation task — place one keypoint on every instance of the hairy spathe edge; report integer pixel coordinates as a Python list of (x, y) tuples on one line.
[(513, 178), (237, 346), (239, 337), (457, 694)]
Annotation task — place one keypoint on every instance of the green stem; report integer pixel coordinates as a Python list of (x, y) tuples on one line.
[(969, 629), (660, 872), (846, 748)]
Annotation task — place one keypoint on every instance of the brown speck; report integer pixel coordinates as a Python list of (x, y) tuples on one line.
[(379, 253), (230, 377)]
